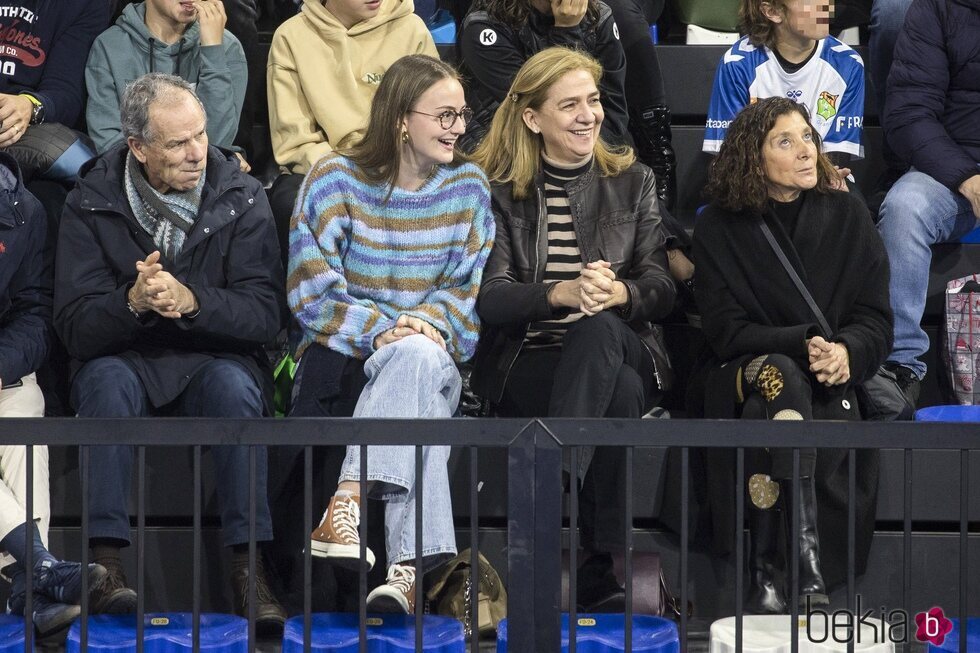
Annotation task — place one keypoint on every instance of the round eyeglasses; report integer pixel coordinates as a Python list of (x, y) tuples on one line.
[(448, 117)]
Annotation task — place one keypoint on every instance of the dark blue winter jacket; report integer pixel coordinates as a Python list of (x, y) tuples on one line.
[(25, 277), (932, 110), (43, 48)]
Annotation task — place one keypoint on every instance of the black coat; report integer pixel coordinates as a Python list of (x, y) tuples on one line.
[(230, 261), (25, 278), (750, 307), (616, 219)]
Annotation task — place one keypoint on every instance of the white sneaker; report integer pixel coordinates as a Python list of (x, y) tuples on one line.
[(397, 594)]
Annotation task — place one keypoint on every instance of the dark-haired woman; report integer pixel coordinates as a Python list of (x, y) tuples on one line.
[(770, 358), (386, 251)]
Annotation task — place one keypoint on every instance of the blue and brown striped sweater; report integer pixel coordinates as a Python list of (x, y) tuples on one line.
[(357, 263)]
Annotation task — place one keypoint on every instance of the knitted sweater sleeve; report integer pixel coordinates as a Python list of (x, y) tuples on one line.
[(451, 306), (317, 289)]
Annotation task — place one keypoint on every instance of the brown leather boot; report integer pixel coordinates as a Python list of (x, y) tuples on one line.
[(270, 617)]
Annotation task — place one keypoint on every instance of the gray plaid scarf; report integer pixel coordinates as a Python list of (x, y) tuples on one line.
[(167, 218)]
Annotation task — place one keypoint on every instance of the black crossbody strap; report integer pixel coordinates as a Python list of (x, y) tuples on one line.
[(791, 271)]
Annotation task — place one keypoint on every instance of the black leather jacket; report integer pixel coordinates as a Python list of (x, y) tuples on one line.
[(615, 219)]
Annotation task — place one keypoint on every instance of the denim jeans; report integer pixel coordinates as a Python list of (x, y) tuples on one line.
[(917, 212), (413, 378), (887, 18), (110, 387)]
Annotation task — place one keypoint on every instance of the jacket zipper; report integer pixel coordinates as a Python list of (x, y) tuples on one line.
[(537, 244)]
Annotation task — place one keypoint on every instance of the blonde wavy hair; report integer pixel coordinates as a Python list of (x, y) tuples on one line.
[(510, 153)]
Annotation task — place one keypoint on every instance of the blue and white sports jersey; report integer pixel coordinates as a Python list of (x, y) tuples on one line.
[(831, 85)]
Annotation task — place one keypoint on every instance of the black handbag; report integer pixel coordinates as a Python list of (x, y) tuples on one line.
[(653, 341), (880, 397)]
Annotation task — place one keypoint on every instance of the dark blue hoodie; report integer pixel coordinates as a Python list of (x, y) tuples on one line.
[(932, 110), (25, 277), (43, 48)]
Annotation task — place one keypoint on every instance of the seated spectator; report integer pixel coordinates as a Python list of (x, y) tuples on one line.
[(186, 39), (25, 335), (562, 330), (931, 124), (770, 357), (384, 290), (324, 67), (242, 22), (788, 52), (44, 47), (887, 17), (498, 36), (168, 285)]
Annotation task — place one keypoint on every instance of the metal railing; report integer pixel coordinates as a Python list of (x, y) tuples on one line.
[(534, 505)]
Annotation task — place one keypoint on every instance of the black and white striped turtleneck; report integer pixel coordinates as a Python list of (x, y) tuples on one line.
[(564, 262)]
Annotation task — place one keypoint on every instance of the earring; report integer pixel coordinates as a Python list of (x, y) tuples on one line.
[(404, 137)]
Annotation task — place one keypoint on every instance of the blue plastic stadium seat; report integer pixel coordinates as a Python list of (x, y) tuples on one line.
[(948, 414), (338, 633), (443, 28), (164, 632), (952, 641), (603, 633), (11, 634), (971, 237)]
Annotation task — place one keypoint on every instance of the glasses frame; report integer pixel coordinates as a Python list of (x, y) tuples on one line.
[(456, 116)]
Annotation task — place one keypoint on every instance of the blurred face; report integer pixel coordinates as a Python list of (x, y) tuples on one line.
[(176, 12), (802, 20), (352, 12), (176, 156), (568, 119), (789, 157), (431, 137)]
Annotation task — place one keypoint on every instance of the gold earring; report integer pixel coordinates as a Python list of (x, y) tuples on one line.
[(404, 137)]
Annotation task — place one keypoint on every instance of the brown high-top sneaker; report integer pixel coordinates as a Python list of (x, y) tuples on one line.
[(337, 538), (397, 594)]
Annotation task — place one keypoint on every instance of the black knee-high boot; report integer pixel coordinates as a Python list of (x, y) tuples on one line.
[(654, 148), (765, 562), (811, 578)]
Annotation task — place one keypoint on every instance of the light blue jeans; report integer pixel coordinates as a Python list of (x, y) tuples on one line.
[(917, 212), (412, 378), (887, 18)]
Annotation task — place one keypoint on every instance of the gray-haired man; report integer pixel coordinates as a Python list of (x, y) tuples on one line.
[(169, 283)]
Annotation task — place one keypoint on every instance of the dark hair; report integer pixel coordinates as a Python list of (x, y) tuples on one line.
[(737, 178), (378, 154), (515, 13), (754, 23)]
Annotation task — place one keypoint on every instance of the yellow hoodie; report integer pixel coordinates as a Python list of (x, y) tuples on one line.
[(322, 76)]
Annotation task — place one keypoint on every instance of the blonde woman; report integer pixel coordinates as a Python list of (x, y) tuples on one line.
[(578, 269)]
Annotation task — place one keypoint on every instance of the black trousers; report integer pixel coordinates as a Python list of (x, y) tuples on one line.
[(644, 83), (242, 21), (774, 385), (327, 384), (282, 199), (601, 370)]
